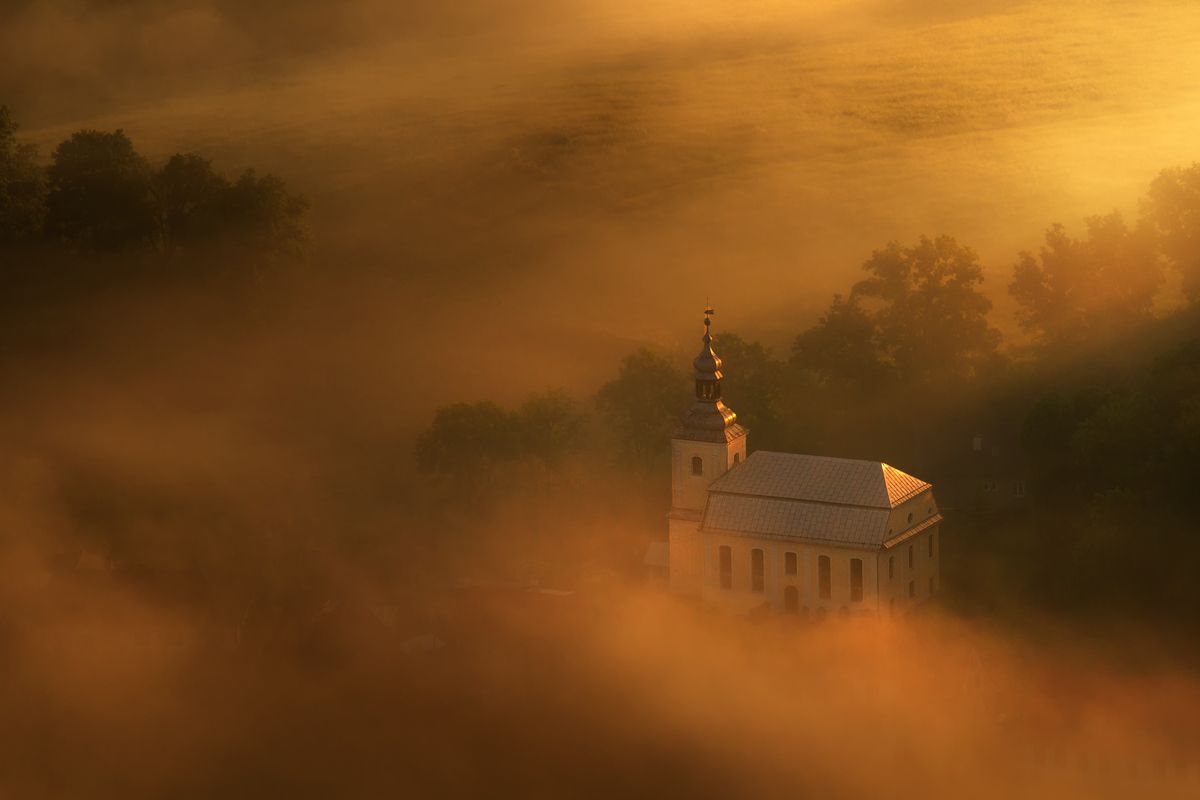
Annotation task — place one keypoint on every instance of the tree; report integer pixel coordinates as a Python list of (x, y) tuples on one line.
[(188, 196), (841, 349), (643, 404), (1074, 288), (549, 427), (263, 217), (100, 194), (1172, 209), (199, 211), (752, 386), (22, 186), (930, 316), (467, 441)]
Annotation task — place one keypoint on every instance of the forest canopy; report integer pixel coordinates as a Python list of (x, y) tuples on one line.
[(98, 197)]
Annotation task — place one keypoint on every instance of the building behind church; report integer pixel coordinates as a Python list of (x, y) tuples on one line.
[(807, 535)]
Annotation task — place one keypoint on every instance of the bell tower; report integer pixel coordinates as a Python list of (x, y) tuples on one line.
[(708, 443)]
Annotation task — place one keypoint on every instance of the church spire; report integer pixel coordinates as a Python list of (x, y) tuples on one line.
[(708, 364), (708, 413)]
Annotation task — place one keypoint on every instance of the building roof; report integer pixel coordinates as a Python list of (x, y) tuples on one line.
[(835, 500), (820, 479)]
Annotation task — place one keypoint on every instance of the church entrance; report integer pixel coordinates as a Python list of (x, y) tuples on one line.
[(791, 600)]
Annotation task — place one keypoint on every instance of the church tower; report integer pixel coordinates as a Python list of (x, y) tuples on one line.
[(708, 443)]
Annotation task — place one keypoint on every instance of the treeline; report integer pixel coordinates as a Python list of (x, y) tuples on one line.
[(99, 198), (1103, 403)]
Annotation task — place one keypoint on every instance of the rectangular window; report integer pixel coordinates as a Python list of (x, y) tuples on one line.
[(756, 570), (725, 557), (912, 588), (789, 563), (856, 582), (824, 583)]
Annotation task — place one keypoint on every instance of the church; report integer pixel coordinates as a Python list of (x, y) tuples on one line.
[(800, 534)]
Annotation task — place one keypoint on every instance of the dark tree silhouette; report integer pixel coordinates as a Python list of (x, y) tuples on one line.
[(642, 406), (100, 194), (930, 316), (22, 186), (262, 216), (188, 196), (198, 211), (550, 427), (753, 386), (1074, 290), (467, 440), (841, 350), (1172, 207)]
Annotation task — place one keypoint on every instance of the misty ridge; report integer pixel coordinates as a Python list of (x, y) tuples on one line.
[(337, 345)]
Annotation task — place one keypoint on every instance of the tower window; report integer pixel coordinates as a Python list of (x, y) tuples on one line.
[(756, 570), (789, 563), (725, 557), (823, 581), (737, 459), (697, 465), (856, 580)]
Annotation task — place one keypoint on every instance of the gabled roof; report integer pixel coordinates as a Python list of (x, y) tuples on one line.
[(836, 500), (820, 479), (796, 519)]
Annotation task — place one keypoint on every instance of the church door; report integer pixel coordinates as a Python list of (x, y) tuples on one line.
[(791, 600)]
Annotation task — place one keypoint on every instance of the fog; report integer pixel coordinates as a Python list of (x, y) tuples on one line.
[(221, 572), (545, 159)]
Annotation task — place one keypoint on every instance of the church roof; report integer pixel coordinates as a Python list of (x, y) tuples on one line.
[(836, 500), (845, 481)]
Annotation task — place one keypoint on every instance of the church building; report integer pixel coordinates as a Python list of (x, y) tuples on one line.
[(806, 535)]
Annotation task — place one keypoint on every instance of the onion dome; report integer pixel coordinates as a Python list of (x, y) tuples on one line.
[(709, 417)]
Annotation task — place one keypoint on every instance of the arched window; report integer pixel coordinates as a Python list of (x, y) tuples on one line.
[(756, 570), (823, 582), (891, 567), (789, 563), (697, 465), (856, 580), (725, 560), (910, 518), (791, 600), (737, 459)]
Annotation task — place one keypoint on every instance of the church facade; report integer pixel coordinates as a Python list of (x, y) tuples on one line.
[(805, 535)]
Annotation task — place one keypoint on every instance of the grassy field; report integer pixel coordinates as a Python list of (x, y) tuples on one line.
[(635, 158)]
